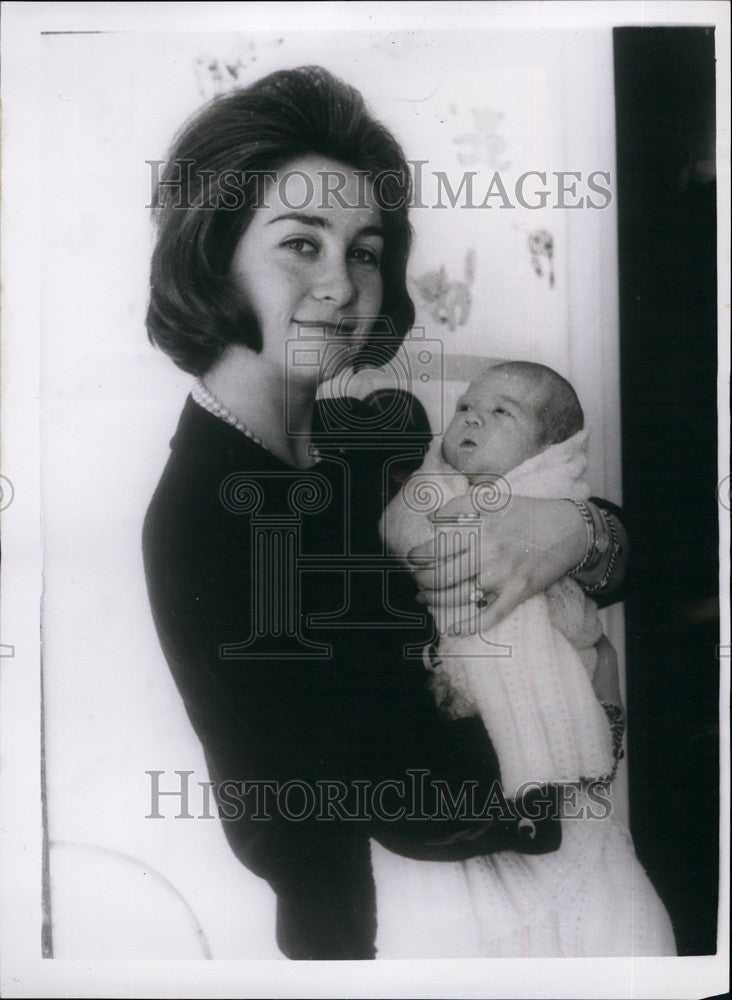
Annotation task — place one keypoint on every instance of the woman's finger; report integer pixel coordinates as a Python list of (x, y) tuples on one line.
[(456, 563), (457, 610), (446, 574), (458, 595), (446, 544), (506, 600)]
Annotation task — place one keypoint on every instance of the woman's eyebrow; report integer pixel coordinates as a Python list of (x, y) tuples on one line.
[(322, 223), (307, 220), (371, 231)]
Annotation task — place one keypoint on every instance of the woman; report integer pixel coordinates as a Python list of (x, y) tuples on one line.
[(280, 261)]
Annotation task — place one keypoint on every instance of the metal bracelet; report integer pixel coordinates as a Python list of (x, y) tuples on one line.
[(617, 731), (614, 552), (591, 530)]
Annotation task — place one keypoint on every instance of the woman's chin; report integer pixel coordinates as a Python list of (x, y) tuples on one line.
[(338, 368)]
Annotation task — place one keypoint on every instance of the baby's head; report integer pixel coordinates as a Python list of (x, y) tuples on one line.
[(508, 414)]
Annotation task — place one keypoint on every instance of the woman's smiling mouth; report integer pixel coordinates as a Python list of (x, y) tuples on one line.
[(342, 327)]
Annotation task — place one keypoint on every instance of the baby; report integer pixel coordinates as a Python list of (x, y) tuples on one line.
[(518, 430)]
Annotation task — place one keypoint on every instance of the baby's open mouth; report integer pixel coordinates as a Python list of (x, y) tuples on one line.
[(467, 443)]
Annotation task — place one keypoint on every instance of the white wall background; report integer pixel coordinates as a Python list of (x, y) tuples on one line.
[(109, 403)]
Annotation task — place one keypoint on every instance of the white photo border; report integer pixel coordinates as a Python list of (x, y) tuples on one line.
[(22, 970)]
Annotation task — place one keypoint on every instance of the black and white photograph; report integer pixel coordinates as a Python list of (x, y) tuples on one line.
[(365, 499)]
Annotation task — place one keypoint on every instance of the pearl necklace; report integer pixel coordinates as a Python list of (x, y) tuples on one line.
[(206, 399)]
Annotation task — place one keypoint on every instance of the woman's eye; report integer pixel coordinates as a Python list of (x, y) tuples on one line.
[(300, 245), (365, 256)]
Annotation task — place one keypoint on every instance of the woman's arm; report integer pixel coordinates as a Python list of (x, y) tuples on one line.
[(517, 551)]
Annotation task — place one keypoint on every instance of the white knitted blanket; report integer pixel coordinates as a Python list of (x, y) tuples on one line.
[(537, 702)]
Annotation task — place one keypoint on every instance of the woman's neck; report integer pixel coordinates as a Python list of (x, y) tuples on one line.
[(277, 411)]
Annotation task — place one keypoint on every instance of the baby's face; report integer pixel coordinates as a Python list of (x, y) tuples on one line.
[(494, 428)]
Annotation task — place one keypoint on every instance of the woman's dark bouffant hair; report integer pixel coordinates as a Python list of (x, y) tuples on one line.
[(194, 311)]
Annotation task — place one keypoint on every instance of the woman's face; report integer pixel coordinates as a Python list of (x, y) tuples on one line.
[(309, 264)]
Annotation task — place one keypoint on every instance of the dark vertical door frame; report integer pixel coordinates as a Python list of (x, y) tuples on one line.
[(665, 107)]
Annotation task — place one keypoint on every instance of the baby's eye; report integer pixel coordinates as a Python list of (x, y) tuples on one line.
[(501, 412), (462, 408)]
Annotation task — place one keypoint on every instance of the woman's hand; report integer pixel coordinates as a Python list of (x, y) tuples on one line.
[(509, 554)]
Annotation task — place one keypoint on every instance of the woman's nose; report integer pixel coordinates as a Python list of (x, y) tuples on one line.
[(334, 283)]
